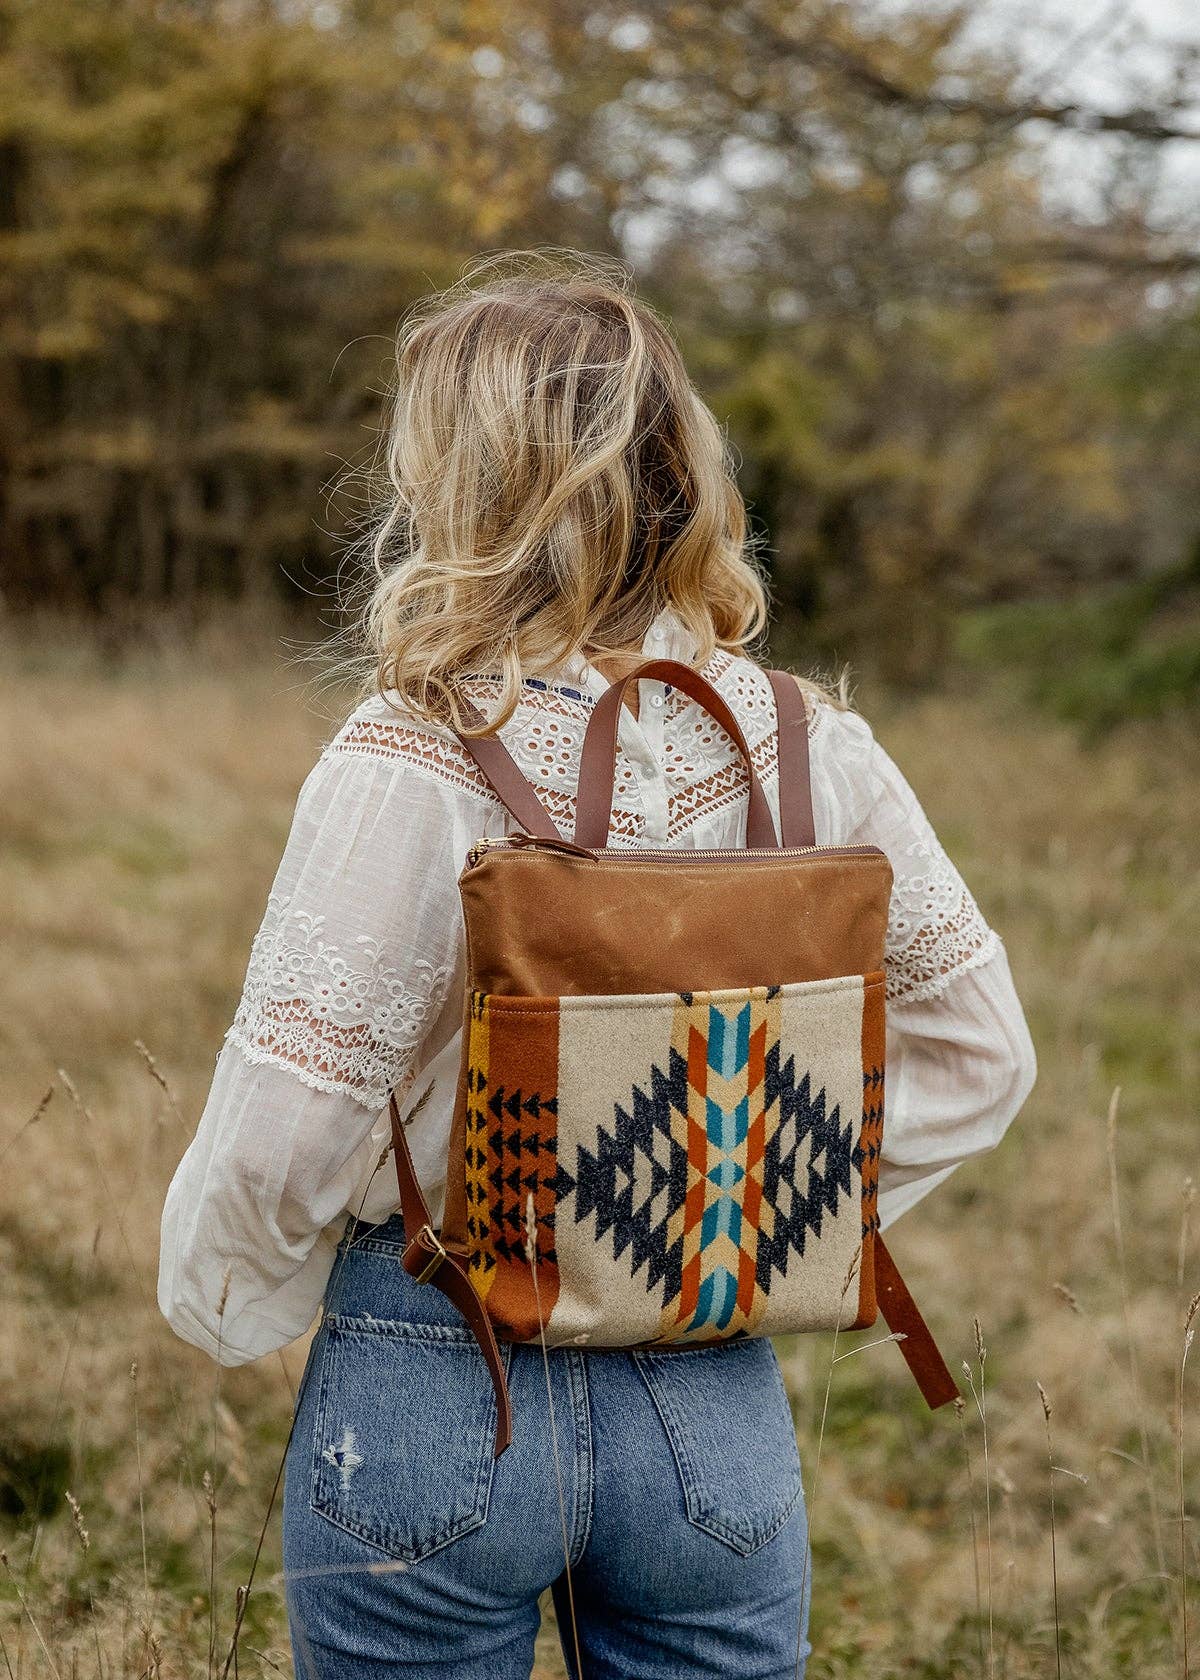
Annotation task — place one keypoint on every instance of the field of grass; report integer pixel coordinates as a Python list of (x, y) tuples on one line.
[(142, 811)]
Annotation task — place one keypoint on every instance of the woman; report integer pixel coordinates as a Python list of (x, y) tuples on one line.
[(560, 506)]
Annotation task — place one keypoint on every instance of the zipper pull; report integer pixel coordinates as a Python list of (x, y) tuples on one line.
[(525, 842), (558, 844), (478, 850)]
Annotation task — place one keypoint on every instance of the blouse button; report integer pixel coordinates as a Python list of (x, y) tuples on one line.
[(656, 700)]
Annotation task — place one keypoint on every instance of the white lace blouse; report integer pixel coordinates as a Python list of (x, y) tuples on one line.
[(356, 976)]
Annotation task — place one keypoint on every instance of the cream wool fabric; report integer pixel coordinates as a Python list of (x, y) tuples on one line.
[(355, 981), (603, 1299)]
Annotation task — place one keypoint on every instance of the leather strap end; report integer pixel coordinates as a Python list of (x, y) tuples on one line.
[(426, 1259), (457, 1286), (903, 1317)]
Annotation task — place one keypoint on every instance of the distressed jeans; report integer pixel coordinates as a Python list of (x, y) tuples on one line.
[(409, 1551)]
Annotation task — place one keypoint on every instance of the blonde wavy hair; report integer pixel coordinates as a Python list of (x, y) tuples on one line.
[(551, 481)]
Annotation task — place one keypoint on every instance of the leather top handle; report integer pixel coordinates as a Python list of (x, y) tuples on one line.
[(796, 825), (597, 765), (797, 828)]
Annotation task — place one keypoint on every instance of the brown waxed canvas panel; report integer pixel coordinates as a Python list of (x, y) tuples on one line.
[(548, 924), (671, 1102)]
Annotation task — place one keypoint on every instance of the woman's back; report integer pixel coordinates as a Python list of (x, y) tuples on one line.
[(558, 501)]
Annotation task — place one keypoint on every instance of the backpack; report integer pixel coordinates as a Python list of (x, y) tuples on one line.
[(670, 1105)]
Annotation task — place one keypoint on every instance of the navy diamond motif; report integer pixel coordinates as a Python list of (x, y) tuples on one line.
[(637, 1176), (806, 1167)]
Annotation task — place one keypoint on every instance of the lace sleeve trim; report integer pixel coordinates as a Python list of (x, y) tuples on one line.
[(935, 928), (260, 1055), (340, 1017)]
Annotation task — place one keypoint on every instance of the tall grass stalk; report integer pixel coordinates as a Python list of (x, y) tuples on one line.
[(152, 1651), (164, 1085), (28, 1613), (531, 1254), (85, 1546), (270, 1662), (137, 1449), (1135, 1374), (60, 1391), (1007, 1489), (979, 1395), (243, 1592), (210, 1475), (1046, 1410), (33, 1119), (960, 1407), (245, 1589), (811, 1502), (1189, 1331), (150, 1306)]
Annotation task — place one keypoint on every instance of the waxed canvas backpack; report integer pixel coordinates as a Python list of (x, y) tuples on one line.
[(671, 1101)]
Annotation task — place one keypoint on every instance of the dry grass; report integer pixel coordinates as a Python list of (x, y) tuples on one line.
[(143, 813)]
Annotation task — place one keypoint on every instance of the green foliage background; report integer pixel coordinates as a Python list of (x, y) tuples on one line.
[(945, 395)]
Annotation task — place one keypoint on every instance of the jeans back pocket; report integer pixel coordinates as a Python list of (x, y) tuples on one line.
[(406, 1418), (727, 1418)]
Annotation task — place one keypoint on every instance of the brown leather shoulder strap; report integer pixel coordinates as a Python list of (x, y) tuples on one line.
[(426, 1259), (900, 1312), (500, 771), (903, 1317), (795, 784)]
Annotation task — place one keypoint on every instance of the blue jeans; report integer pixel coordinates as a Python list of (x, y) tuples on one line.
[(409, 1551)]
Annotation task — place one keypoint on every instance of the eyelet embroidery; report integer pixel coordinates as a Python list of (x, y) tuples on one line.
[(340, 1017), (935, 929)]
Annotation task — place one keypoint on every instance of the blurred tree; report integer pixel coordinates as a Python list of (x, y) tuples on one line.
[(202, 205), (890, 322), (212, 213)]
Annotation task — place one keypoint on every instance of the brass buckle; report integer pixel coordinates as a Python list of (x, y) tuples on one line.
[(435, 1259)]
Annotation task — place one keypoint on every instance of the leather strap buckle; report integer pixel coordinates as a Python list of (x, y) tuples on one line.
[(428, 1241)]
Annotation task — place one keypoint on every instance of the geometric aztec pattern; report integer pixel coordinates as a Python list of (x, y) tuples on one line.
[(702, 1185), (718, 1171)]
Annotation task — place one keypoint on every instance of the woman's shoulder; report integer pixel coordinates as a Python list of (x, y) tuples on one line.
[(381, 731), (840, 730)]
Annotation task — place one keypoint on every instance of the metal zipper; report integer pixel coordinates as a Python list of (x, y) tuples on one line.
[(659, 854)]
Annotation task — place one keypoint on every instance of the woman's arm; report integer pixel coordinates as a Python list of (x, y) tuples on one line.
[(960, 1065), (960, 1058), (355, 958)]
